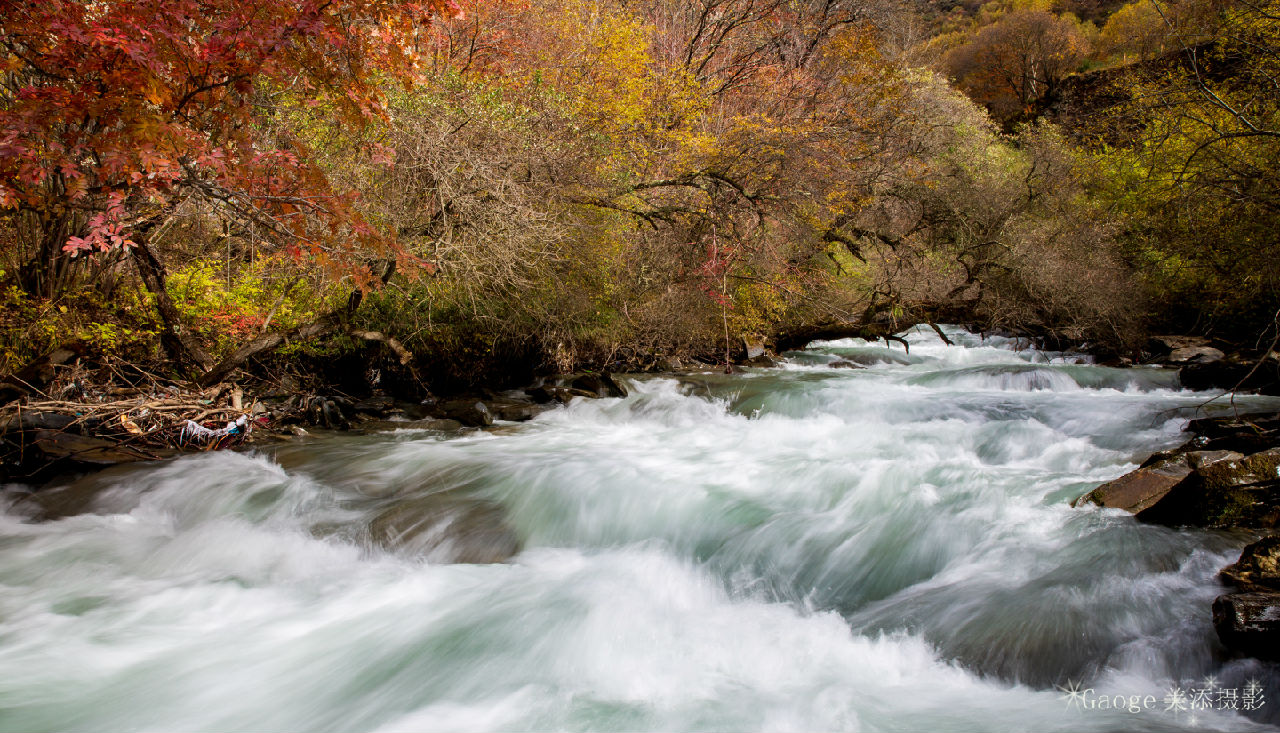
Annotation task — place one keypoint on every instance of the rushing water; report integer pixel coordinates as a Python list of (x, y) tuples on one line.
[(810, 548)]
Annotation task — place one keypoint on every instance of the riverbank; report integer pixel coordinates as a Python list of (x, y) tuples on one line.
[(1226, 476), (69, 412)]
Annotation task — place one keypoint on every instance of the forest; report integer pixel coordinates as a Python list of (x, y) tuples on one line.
[(468, 193)]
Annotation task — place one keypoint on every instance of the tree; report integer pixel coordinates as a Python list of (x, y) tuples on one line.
[(1015, 64), (113, 114), (1197, 180), (1136, 29)]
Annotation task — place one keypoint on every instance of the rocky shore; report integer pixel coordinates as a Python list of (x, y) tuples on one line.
[(1226, 476), (42, 439)]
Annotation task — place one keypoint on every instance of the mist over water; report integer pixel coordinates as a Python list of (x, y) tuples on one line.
[(808, 548)]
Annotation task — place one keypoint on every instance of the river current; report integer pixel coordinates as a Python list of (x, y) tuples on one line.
[(805, 548)]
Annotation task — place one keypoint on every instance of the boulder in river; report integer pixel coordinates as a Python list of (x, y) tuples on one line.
[(1246, 435), (1196, 355), (1140, 489), (1227, 374), (378, 404), (1249, 623), (447, 528), (441, 424), (1207, 482), (1233, 492), (469, 412), (601, 385), (1248, 620), (1258, 569), (517, 411)]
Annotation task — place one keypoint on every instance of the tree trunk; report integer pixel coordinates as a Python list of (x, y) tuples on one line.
[(176, 339)]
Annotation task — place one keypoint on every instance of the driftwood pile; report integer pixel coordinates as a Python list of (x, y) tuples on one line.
[(60, 415)]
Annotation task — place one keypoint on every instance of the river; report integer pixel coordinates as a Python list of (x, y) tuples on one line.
[(803, 548)]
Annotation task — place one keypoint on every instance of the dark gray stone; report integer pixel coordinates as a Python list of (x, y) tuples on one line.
[(469, 412), (1249, 623), (375, 405)]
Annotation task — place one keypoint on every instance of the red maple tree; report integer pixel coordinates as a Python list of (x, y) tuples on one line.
[(112, 112)]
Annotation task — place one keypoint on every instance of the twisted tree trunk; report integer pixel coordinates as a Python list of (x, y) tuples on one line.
[(181, 344)]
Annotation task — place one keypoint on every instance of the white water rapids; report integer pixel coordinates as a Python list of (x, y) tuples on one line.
[(807, 548)]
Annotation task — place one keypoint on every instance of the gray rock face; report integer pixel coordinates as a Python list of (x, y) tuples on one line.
[(446, 528)]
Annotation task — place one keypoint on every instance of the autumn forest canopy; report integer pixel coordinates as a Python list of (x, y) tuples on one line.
[(466, 191)]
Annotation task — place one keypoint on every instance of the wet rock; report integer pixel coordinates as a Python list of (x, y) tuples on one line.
[(541, 394), (598, 385), (40, 421), (763, 361), (1232, 491), (1249, 623), (469, 412), (375, 405), (1139, 490), (1258, 569), (1264, 464), (1236, 470), (517, 411), (326, 413), (446, 528), (1204, 460), (844, 364), (1255, 434), (1226, 375), (84, 449), (1227, 475), (1217, 501), (36, 456), (1195, 355)]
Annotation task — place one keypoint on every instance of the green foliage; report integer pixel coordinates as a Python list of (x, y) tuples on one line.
[(1196, 182), (228, 309), (31, 326)]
